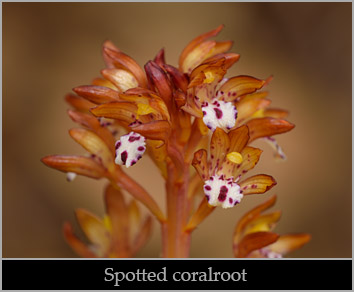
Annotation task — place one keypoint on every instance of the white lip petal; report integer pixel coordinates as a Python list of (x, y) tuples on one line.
[(222, 192), (219, 114), (129, 149)]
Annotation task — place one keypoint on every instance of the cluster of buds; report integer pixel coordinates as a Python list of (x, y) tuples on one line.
[(181, 117)]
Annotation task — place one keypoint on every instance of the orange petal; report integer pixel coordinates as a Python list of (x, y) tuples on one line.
[(95, 145), (238, 139), (104, 83), (263, 223), (195, 42), (160, 58), (79, 103), (121, 111), (219, 147), (197, 56), (192, 105), (118, 214), (89, 121), (158, 155), (248, 106), (97, 94), (177, 76), (109, 45), (94, 230), (238, 86), (143, 236), (221, 47), (200, 164), (230, 59), (254, 241), (75, 243), (275, 113), (121, 60), (290, 242), (203, 211), (78, 164), (122, 79), (250, 157), (155, 130), (257, 184), (158, 79), (266, 127), (250, 216)]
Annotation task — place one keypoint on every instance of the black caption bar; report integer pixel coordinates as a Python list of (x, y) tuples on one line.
[(207, 274)]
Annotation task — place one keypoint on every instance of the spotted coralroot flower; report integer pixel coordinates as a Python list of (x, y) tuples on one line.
[(129, 149), (168, 113), (230, 159), (120, 233), (253, 236)]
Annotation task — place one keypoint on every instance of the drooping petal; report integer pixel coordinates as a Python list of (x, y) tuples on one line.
[(219, 147), (277, 150), (230, 59), (95, 231), (290, 242), (200, 163), (248, 106), (104, 83), (250, 216), (266, 127), (95, 145), (142, 236), (129, 149), (89, 121), (155, 130), (200, 214), (117, 211), (122, 79), (75, 243), (97, 94), (194, 43), (254, 241), (121, 111), (78, 164), (238, 86), (121, 60), (79, 103), (263, 223), (257, 184)]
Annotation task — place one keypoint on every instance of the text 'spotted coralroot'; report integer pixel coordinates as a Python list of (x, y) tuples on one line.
[(197, 126)]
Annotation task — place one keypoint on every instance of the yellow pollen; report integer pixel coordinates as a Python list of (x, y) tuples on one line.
[(258, 114), (107, 223), (144, 109), (234, 157), (209, 77)]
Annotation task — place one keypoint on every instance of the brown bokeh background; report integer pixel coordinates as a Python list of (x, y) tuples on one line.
[(49, 48)]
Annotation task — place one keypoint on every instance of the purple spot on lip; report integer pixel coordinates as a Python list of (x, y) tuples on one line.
[(124, 157), (236, 202), (207, 197), (204, 113), (230, 200), (132, 138), (208, 188), (222, 194), (118, 144), (141, 148), (133, 162), (218, 113)]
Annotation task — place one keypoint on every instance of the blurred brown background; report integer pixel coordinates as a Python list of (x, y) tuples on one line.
[(49, 48)]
